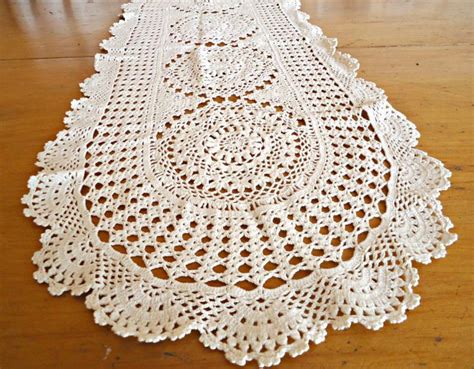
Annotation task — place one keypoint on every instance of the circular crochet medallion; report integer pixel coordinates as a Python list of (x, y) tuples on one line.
[(220, 70), (236, 155), (214, 28)]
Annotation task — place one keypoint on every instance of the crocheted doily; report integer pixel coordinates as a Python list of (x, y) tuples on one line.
[(227, 172)]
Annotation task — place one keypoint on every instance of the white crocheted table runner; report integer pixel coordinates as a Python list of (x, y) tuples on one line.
[(227, 172)]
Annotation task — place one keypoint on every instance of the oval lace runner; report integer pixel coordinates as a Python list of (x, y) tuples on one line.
[(228, 172)]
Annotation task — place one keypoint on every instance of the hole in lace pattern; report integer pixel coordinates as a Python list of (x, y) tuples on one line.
[(300, 274), (120, 248), (273, 283), (246, 285), (347, 254), (160, 273)]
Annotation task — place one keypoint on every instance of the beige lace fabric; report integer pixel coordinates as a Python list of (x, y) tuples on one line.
[(227, 172)]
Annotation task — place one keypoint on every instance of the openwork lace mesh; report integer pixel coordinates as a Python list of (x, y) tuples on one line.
[(227, 172)]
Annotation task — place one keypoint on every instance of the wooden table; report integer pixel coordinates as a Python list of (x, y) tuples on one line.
[(419, 51)]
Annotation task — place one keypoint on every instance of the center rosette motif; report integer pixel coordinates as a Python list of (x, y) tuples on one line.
[(234, 146), (241, 153)]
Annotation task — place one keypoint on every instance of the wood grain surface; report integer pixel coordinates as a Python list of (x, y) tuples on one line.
[(420, 52)]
